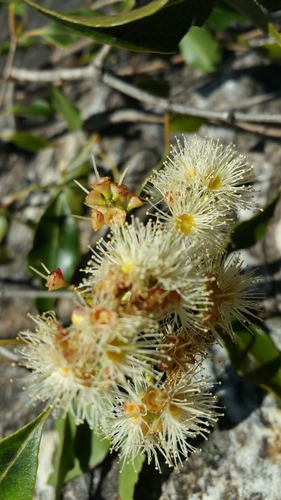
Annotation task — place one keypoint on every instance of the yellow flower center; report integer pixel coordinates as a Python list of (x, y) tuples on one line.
[(184, 223), (117, 353), (215, 183), (127, 267), (155, 400)]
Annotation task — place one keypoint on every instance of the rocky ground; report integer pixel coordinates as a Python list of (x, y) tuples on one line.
[(242, 458)]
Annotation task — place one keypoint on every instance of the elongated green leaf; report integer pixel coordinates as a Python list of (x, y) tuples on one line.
[(159, 88), (79, 450), (255, 357), (69, 112), (56, 240), (99, 450), (39, 107), (3, 227), (56, 34), (223, 16), (247, 233), (200, 50), (56, 243), (29, 142), (74, 194), (252, 10), (64, 458), (155, 27), (5, 257), (184, 123), (128, 477), (19, 460), (90, 450)]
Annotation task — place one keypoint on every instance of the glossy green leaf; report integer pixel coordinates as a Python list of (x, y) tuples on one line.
[(128, 477), (5, 257), (20, 9), (99, 450), (90, 450), (142, 29), (223, 16), (3, 227), (19, 460), (39, 107), (64, 457), (160, 88), (252, 10), (255, 357), (200, 50), (184, 123), (56, 241), (29, 142), (270, 50), (79, 450), (82, 156), (56, 34), (68, 111), (74, 194), (247, 233)]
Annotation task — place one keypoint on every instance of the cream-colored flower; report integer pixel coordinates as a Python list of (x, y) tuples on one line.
[(79, 366), (196, 217), (158, 418), (208, 165), (233, 293), (150, 272), (58, 374)]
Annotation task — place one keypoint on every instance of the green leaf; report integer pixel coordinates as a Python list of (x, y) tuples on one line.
[(155, 27), (79, 450), (56, 242), (39, 107), (252, 10), (74, 194), (64, 457), (223, 16), (247, 233), (200, 50), (5, 257), (255, 357), (99, 449), (270, 50), (69, 112), (56, 34), (3, 227), (128, 477), (159, 88), (82, 156), (184, 123), (29, 142), (90, 450), (19, 460)]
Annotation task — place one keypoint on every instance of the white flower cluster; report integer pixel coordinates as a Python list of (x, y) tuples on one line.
[(156, 297)]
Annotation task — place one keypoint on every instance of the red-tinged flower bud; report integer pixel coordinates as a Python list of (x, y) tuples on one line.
[(97, 219), (133, 201), (114, 217), (94, 199), (102, 186), (55, 280)]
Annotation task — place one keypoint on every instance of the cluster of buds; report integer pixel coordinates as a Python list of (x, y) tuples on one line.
[(110, 203), (155, 298)]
